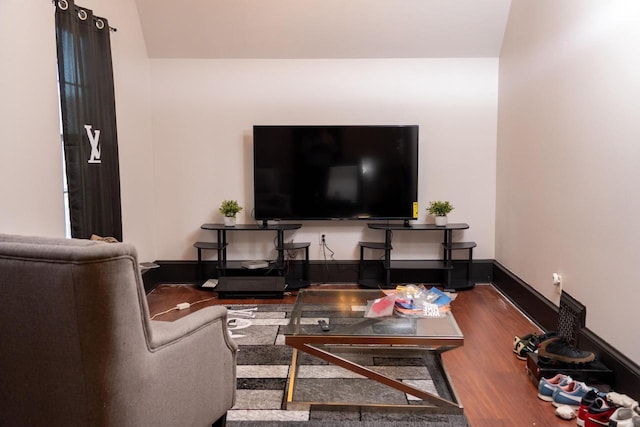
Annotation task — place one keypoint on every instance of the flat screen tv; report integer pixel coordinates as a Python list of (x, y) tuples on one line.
[(335, 172)]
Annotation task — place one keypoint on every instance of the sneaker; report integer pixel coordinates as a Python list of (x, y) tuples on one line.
[(546, 386), (570, 395), (624, 417), (622, 400), (586, 401), (599, 413), (557, 348), (526, 344)]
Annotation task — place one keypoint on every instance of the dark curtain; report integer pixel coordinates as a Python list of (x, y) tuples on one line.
[(88, 121)]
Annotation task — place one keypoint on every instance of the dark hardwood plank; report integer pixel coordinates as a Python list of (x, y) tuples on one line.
[(490, 381)]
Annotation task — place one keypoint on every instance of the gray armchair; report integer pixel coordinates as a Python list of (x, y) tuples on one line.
[(77, 346)]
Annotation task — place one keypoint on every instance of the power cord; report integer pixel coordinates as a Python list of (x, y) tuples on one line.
[(326, 248), (181, 306)]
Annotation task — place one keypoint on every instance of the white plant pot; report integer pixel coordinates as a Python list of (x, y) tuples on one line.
[(229, 221), (441, 220)]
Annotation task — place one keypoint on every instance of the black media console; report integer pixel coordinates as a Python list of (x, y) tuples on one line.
[(270, 281), (445, 264), (258, 283)]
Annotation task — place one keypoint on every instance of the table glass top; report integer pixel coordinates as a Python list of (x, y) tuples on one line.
[(344, 311)]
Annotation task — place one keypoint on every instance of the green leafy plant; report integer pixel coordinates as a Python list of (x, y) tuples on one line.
[(230, 208), (439, 208)]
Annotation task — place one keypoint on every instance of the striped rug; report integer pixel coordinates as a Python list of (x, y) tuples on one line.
[(264, 365)]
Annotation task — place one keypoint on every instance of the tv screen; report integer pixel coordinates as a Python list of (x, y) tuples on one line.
[(335, 172)]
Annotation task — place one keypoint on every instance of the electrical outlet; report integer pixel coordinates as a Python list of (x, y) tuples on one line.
[(557, 282)]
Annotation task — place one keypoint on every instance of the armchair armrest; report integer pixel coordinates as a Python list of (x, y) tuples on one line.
[(185, 376), (168, 333)]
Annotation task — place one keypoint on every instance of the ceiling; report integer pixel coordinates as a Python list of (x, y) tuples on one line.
[(323, 28)]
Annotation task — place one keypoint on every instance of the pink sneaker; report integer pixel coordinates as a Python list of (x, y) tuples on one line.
[(547, 386), (571, 394)]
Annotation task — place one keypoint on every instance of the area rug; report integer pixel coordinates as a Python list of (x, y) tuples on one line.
[(263, 367)]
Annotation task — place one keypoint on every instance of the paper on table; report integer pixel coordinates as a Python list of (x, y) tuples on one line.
[(381, 307)]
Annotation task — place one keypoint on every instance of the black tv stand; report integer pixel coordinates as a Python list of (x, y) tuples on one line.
[(248, 284), (407, 223), (445, 263)]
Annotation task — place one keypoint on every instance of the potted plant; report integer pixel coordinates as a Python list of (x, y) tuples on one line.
[(440, 209), (230, 208)]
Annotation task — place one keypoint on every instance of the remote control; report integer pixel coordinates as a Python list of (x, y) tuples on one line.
[(324, 325)]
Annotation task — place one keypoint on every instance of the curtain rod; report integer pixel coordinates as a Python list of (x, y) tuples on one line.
[(82, 14)]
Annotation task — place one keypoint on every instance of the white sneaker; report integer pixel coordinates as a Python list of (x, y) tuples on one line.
[(622, 400), (624, 417)]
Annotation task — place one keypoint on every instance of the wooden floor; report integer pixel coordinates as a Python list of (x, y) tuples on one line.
[(490, 381)]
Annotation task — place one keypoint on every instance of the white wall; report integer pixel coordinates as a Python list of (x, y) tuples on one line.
[(132, 87), (568, 152), (31, 200), (203, 112)]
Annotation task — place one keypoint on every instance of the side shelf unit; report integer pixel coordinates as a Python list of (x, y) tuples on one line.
[(367, 277), (457, 284), (223, 264), (295, 280), (202, 246), (445, 264)]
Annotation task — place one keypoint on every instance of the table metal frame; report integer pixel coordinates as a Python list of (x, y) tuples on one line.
[(319, 345)]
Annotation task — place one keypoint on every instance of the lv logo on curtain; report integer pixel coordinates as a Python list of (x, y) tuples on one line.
[(88, 121), (94, 139)]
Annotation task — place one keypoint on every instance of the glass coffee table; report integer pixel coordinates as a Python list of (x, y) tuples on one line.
[(350, 340)]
